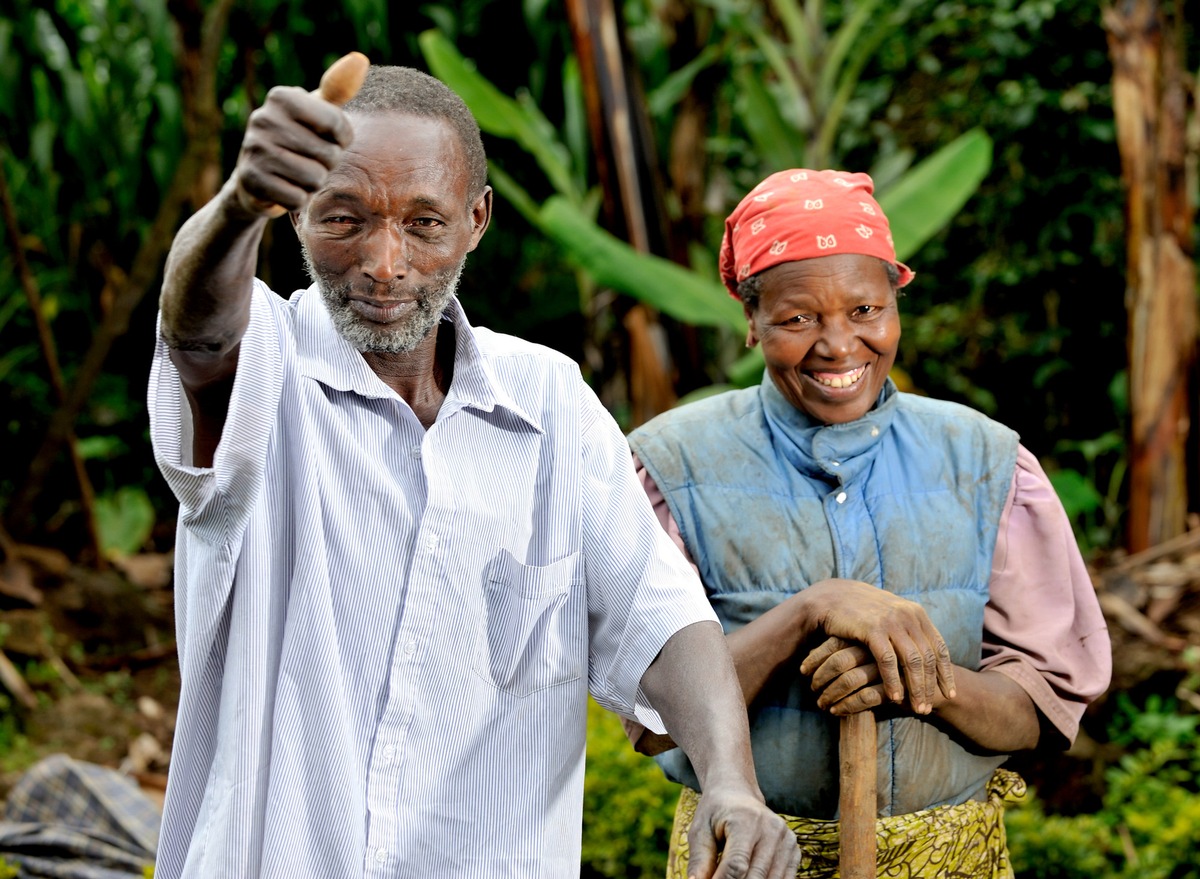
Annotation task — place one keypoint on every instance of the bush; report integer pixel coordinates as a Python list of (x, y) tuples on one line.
[(1146, 826), (628, 805)]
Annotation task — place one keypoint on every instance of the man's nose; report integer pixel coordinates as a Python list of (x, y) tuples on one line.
[(386, 254)]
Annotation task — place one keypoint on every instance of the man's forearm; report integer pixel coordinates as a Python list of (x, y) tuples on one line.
[(208, 280), (694, 687)]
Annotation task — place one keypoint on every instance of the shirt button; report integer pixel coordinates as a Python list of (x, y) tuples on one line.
[(416, 451), (431, 542), (388, 754), (841, 498), (410, 648), (381, 856), (874, 431), (836, 463)]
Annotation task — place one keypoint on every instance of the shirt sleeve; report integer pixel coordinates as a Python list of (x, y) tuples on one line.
[(213, 501), (1043, 626), (641, 590)]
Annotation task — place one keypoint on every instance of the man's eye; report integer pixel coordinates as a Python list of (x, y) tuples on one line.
[(799, 319), (864, 310), (341, 220)]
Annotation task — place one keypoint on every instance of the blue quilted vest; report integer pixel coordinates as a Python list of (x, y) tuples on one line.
[(907, 498)]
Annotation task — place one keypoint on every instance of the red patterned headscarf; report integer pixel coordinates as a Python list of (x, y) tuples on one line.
[(800, 214)]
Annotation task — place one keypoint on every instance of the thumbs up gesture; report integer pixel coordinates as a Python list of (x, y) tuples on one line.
[(295, 139)]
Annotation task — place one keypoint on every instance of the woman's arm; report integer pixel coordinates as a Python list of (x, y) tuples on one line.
[(988, 709)]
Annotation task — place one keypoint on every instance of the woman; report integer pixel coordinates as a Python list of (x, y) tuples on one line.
[(869, 549)]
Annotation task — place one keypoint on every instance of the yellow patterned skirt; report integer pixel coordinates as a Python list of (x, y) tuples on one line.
[(963, 842)]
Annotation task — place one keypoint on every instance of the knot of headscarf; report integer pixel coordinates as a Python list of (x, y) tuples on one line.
[(800, 214)]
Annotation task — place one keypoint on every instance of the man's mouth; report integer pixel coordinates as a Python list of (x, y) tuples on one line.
[(381, 311)]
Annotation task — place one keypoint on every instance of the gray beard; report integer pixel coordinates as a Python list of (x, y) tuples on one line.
[(396, 338)]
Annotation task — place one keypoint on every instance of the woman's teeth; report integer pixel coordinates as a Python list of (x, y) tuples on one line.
[(839, 379)]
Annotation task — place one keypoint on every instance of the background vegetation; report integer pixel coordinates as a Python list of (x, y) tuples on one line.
[(120, 116)]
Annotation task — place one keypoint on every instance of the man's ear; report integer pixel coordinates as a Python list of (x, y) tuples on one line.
[(481, 217)]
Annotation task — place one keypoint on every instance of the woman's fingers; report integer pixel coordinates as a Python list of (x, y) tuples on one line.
[(821, 653), (862, 699), (848, 683)]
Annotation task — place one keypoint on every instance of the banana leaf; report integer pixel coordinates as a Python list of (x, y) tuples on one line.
[(674, 290), (922, 202), (499, 114)]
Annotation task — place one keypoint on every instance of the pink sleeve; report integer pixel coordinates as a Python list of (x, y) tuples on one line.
[(659, 502), (1043, 626)]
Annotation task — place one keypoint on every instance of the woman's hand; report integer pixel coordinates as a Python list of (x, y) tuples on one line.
[(905, 657), (847, 680)]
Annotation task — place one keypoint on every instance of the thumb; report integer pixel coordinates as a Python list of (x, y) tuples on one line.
[(338, 85), (344, 78)]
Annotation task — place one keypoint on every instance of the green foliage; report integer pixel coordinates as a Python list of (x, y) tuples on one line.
[(1053, 846), (125, 519), (1146, 826), (1018, 304), (8, 870), (93, 128), (1018, 307), (628, 805), (1091, 490)]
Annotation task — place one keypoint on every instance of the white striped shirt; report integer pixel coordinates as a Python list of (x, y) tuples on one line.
[(386, 634)]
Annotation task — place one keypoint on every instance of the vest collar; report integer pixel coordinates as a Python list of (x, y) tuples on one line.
[(840, 452)]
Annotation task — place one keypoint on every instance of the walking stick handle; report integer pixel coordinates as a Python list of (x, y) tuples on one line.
[(857, 804)]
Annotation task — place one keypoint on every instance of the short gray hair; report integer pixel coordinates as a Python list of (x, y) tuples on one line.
[(394, 89)]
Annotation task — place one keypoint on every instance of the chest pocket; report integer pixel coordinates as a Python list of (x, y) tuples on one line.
[(533, 634)]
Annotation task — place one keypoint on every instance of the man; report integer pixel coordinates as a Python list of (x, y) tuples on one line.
[(407, 547)]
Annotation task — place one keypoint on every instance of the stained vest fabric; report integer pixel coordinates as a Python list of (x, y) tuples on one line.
[(768, 502)]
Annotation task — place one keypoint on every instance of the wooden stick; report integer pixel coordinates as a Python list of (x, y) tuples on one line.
[(857, 803)]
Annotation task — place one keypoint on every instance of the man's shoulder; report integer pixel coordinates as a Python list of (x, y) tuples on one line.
[(496, 344)]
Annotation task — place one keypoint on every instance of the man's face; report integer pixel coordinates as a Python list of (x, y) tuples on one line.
[(387, 236)]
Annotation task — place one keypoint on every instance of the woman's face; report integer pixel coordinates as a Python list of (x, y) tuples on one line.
[(829, 329)]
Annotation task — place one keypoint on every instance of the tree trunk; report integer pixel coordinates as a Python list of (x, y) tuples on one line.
[(1150, 104), (626, 161)]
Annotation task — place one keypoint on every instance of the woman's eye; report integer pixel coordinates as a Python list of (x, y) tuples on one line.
[(799, 319)]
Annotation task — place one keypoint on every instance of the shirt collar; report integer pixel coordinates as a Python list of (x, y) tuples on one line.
[(328, 358), (840, 451)]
